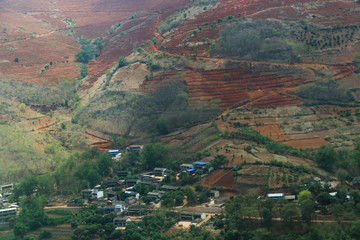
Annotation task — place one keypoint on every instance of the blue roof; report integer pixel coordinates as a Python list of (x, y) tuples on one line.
[(200, 163), (113, 151), (191, 170)]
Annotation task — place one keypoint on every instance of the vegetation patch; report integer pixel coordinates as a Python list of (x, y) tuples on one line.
[(259, 40), (327, 92)]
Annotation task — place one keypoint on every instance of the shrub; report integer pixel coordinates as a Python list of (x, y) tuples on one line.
[(122, 62), (45, 234), (329, 91)]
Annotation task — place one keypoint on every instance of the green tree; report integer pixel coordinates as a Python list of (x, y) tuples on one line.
[(45, 234), (162, 126), (267, 218), (262, 234), (324, 198), (20, 230), (355, 230), (337, 210), (154, 155), (326, 157), (22, 107), (307, 211), (218, 161), (174, 198), (304, 195), (190, 194), (122, 62), (104, 162), (288, 213)]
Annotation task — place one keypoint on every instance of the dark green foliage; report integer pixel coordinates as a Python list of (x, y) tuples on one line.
[(16, 59), (152, 227), (278, 148), (31, 216), (83, 71), (326, 157), (288, 213), (26, 187), (260, 40), (143, 189), (329, 91), (86, 54), (122, 62), (186, 179), (355, 230), (45, 234), (325, 198), (218, 161), (267, 218), (307, 210), (172, 199), (162, 126), (104, 162), (154, 155), (190, 195), (250, 134), (122, 196)]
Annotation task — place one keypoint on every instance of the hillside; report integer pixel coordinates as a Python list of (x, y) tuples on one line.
[(266, 93)]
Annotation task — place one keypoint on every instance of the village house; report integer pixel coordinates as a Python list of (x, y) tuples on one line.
[(155, 194), (168, 188), (113, 152), (123, 174), (148, 177), (110, 194), (7, 187), (91, 194), (131, 182), (214, 194), (135, 210), (159, 172), (191, 216), (130, 200), (120, 207), (199, 165), (134, 148), (7, 213), (121, 221), (112, 183), (290, 198), (186, 166)]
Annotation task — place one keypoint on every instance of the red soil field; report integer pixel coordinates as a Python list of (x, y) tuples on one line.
[(44, 23), (307, 143), (219, 178), (232, 86)]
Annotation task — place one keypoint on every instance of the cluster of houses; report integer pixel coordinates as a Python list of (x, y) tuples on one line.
[(8, 210), (129, 209)]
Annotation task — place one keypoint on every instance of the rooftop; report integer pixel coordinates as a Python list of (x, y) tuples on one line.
[(275, 195), (200, 163)]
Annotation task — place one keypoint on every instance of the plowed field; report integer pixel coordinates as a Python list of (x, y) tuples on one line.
[(219, 178)]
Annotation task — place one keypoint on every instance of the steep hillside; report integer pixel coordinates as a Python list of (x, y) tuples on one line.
[(214, 55)]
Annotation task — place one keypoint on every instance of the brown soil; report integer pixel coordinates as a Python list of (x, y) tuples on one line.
[(219, 178), (236, 85)]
